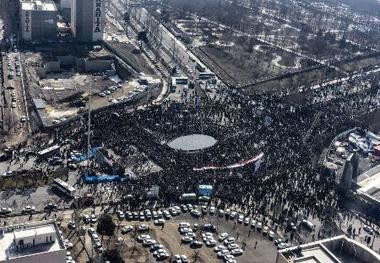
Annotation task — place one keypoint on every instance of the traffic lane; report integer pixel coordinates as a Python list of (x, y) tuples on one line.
[(37, 197)]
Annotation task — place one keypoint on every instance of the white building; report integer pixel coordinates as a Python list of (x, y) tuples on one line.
[(339, 249), (180, 82), (32, 243), (368, 184)]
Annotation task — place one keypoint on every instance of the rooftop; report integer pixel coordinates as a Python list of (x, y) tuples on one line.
[(316, 254), (38, 5), (31, 232), (24, 231), (369, 184), (339, 249)]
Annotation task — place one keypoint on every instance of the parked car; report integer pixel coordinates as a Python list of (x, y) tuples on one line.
[(126, 229), (196, 244)]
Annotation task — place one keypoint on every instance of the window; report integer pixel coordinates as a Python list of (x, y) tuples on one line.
[(51, 239)]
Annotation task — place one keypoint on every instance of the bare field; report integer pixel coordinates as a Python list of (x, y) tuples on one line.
[(247, 42)]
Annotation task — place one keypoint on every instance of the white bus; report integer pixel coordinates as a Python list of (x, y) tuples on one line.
[(64, 187), (188, 197), (49, 151)]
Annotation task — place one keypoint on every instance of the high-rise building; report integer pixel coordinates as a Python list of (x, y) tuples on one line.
[(38, 20), (88, 19)]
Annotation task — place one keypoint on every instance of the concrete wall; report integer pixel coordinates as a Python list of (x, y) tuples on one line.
[(280, 258), (98, 65), (52, 66), (353, 250), (56, 257), (123, 71), (66, 60), (79, 62)]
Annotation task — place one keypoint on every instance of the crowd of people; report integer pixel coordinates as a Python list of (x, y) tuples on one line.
[(291, 136)]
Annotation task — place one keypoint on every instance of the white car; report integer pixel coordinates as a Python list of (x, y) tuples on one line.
[(229, 241), (219, 248), (232, 246), (159, 222), (186, 239), (282, 246), (142, 227), (265, 230), (177, 259), (93, 219), (233, 215), (149, 242), (195, 213), (211, 243), (95, 237), (222, 236), (228, 257), (185, 230), (237, 252), (120, 215), (271, 235), (184, 225), (253, 223), (141, 238), (28, 209), (86, 219), (212, 210), (167, 215), (126, 229), (91, 231), (184, 259)]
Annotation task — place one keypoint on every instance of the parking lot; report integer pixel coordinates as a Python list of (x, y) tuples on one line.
[(178, 235)]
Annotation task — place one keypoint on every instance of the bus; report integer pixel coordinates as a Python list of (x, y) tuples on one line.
[(206, 76), (52, 150), (64, 187), (188, 197)]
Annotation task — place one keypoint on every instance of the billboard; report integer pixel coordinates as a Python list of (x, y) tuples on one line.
[(27, 24), (99, 9)]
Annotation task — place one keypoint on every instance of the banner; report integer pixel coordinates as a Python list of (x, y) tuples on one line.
[(232, 166)]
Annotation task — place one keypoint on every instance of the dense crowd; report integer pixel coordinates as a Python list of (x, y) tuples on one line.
[(291, 137)]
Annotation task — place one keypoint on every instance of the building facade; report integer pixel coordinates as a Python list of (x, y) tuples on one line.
[(88, 20), (339, 249), (32, 243), (65, 6), (38, 20)]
